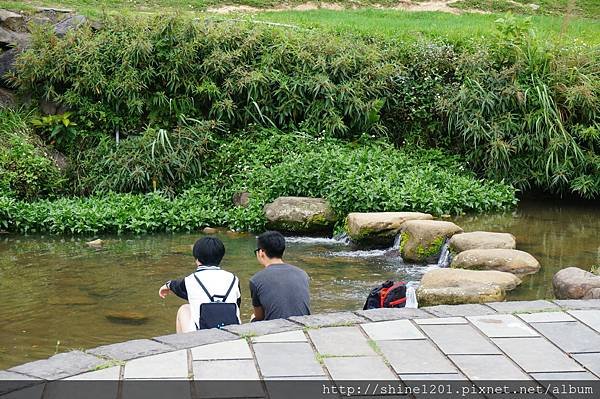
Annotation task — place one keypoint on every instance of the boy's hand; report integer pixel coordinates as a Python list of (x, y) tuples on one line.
[(163, 291)]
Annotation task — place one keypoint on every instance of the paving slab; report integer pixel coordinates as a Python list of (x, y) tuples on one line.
[(196, 338), (502, 326), (392, 330), (459, 310), (459, 339), (172, 365), (130, 349), (289, 336), (328, 319), (263, 327), (241, 380), (293, 359), (415, 357), (488, 367), (442, 320), (60, 366), (545, 317), (523, 306), (384, 314), (94, 389), (578, 303), (10, 381), (366, 368), (577, 376), (590, 361), (571, 337), (536, 355), (228, 350), (107, 374), (432, 377), (591, 318), (341, 341)]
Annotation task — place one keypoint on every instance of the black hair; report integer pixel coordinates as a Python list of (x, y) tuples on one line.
[(209, 251), (272, 242)]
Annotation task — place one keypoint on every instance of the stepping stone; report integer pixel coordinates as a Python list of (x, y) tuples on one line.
[(60, 366), (196, 338), (290, 336), (571, 337), (590, 361), (392, 330), (502, 326), (442, 320), (415, 357), (294, 359), (536, 355), (341, 341), (328, 319), (227, 379), (370, 368), (459, 310), (545, 317), (130, 349), (578, 375), (173, 365), (459, 339), (229, 350), (589, 317), (488, 367), (385, 314), (523, 306), (481, 240)]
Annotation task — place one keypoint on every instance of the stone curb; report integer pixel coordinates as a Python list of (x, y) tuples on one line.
[(69, 364)]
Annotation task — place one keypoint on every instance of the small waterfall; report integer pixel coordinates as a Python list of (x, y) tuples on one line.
[(343, 238), (445, 256), (397, 241), (411, 295)]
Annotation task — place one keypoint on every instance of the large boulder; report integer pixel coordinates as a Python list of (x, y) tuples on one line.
[(505, 260), (300, 214), (11, 20), (7, 64), (70, 23), (379, 227), (576, 283), (9, 38), (481, 240), (457, 286), (422, 240)]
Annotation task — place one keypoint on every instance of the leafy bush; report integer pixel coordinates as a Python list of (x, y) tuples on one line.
[(156, 159), (529, 112), (26, 170), (362, 176)]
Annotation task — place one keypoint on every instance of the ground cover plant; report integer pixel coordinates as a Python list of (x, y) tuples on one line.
[(359, 176)]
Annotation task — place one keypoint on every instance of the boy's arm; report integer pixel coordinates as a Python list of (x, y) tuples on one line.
[(175, 286), (259, 313)]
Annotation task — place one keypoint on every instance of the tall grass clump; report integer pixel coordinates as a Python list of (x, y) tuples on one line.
[(529, 111)]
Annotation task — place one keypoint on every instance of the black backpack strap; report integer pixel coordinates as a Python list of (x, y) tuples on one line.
[(212, 299), (224, 297)]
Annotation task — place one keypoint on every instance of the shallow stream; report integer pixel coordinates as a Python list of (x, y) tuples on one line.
[(57, 293)]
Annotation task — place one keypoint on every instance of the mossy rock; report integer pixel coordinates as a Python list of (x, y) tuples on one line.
[(378, 228), (300, 215), (422, 240)]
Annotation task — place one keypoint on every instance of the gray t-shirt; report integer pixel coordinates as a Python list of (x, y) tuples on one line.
[(281, 290)]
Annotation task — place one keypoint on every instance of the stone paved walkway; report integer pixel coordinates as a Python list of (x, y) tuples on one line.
[(534, 340)]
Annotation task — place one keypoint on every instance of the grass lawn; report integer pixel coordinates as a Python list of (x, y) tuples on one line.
[(410, 25)]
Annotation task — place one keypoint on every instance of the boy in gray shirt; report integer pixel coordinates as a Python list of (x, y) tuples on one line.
[(279, 290)]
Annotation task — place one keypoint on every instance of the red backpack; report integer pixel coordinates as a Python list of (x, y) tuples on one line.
[(387, 295)]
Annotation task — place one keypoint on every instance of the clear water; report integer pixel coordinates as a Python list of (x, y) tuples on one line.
[(57, 293)]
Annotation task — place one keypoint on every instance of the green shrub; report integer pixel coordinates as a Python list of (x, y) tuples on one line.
[(362, 176), (26, 170), (529, 112), (155, 160)]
